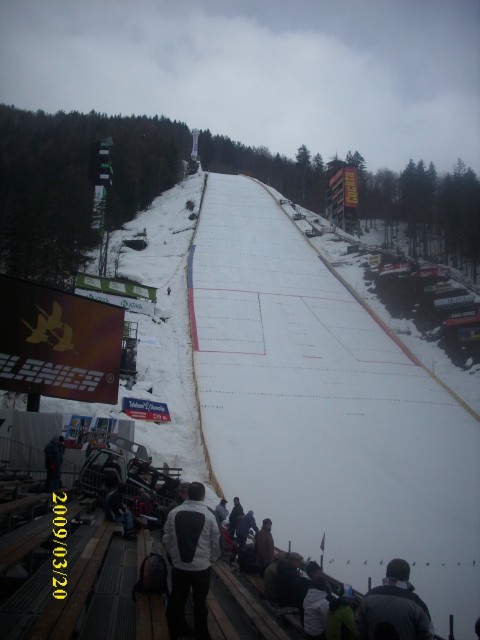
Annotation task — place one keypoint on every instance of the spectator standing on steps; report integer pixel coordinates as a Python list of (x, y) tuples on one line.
[(169, 291), (244, 524), (192, 540), (237, 511), (264, 546), (61, 448), (53, 462), (221, 511), (392, 611)]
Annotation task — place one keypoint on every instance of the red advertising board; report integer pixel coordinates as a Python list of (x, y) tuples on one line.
[(335, 178), (432, 272), (58, 344)]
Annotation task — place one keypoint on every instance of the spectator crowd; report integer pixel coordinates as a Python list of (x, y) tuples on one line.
[(195, 535), (327, 610)]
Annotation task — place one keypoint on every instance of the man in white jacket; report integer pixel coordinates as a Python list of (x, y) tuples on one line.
[(192, 540)]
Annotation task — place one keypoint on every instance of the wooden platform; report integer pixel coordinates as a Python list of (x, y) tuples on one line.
[(151, 621), (265, 624), (60, 617)]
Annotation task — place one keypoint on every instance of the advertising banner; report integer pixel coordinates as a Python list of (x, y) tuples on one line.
[(398, 268), (457, 301), (57, 344), (80, 430), (470, 334), (130, 304), (432, 272), (464, 318), (439, 287), (116, 287), (335, 179), (141, 409), (351, 187)]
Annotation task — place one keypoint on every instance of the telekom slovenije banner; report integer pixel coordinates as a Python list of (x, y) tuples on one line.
[(141, 409)]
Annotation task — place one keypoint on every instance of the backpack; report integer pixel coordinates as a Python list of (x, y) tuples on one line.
[(153, 575), (247, 560)]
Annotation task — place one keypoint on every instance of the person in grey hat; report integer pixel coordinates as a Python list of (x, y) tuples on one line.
[(221, 511), (392, 611)]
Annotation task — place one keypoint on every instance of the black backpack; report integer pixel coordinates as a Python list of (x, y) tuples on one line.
[(153, 575), (247, 560)]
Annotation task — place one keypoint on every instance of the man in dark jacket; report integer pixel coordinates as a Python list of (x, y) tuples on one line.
[(392, 611), (290, 586), (53, 462), (244, 523), (264, 546), (236, 512)]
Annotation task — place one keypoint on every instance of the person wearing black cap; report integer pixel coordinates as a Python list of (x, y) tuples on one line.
[(392, 611)]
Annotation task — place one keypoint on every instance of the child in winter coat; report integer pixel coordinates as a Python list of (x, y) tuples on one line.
[(340, 618)]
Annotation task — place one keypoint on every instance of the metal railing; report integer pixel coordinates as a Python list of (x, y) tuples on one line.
[(20, 461)]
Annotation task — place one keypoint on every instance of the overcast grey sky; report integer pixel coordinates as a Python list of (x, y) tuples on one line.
[(393, 79)]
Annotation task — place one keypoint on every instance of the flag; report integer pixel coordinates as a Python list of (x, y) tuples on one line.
[(322, 544)]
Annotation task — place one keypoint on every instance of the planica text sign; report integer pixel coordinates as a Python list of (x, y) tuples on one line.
[(57, 344)]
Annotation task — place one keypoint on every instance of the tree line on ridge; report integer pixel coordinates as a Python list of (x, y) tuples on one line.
[(46, 188)]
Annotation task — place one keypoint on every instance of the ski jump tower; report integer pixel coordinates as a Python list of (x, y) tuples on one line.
[(195, 134)]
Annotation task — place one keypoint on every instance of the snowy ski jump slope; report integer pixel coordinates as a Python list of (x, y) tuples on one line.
[(316, 417)]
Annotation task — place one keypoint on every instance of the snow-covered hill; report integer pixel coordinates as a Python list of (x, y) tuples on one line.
[(299, 420)]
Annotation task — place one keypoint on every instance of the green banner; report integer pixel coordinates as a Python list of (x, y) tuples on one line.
[(115, 287)]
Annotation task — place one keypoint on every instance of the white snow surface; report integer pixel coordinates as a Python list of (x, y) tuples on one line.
[(311, 413)]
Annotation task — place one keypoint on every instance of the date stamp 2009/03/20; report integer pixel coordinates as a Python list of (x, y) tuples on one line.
[(60, 552)]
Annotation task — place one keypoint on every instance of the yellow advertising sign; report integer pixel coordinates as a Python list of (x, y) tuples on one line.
[(351, 187)]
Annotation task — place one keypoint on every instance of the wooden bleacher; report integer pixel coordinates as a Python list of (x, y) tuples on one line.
[(60, 617), (20, 610), (292, 618), (18, 544), (151, 620), (265, 625), (26, 506)]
